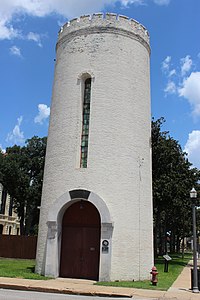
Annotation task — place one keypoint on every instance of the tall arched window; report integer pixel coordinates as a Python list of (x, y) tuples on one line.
[(85, 123)]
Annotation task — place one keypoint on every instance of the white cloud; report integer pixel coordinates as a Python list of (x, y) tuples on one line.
[(172, 72), (43, 114), (127, 2), (2, 150), (184, 82), (191, 91), (166, 64), (162, 2), (192, 147), (35, 37), (14, 50), (170, 88), (65, 8), (186, 64), (7, 31), (16, 136)]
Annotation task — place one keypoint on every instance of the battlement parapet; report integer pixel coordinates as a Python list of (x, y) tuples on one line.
[(105, 21)]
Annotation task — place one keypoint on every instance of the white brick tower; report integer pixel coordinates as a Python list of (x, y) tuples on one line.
[(96, 205)]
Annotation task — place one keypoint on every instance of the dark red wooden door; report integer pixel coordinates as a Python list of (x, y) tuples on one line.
[(80, 242)]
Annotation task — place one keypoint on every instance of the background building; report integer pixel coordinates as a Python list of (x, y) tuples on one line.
[(96, 210), (9, 223)]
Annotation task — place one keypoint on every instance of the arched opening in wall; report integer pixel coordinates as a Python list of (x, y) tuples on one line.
[(1, 229), (80, 246)]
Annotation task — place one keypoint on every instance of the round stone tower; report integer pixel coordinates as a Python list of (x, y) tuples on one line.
[(96, 210)]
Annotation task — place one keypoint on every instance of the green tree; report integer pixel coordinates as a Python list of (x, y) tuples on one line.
[(173, 178), (35, 156), (21, 173)]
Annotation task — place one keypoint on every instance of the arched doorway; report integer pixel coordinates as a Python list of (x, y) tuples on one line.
[(80, 246)]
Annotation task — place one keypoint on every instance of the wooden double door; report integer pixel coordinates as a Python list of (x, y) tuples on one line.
[(80, 246)]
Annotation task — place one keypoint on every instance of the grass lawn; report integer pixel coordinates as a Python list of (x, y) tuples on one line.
[(165, 280), (24, 268), (19, 268)]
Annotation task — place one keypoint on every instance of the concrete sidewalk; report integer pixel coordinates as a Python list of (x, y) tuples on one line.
[(180, 290)]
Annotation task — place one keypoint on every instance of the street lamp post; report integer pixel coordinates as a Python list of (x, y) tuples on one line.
[(193, 196)]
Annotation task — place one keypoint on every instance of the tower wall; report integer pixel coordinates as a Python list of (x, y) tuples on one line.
[(114, 52)]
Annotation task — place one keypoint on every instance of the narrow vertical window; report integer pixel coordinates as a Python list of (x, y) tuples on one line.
[(85, 123)]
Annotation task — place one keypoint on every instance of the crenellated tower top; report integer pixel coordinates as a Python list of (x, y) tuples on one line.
[(99, 23)]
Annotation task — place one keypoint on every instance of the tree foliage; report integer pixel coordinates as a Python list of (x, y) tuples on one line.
[(21, 173), (173, 178)]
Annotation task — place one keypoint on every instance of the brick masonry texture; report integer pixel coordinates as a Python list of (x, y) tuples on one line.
[(115, 52)]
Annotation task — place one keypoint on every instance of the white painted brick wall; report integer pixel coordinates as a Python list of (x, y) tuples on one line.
[(119, 158)]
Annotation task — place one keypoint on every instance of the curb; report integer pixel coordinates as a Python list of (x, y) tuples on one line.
[(62, 291)]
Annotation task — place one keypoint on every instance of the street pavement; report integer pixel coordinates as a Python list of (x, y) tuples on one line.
[(180, 290), (24, 295)]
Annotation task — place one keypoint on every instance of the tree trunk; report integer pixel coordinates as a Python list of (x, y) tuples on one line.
[(173, 241), (155, 241), (178, 244), (3, 201), (22, 227), (183, 248), (28, 220)]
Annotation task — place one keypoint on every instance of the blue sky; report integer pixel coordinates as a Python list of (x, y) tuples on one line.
[(28, 34)]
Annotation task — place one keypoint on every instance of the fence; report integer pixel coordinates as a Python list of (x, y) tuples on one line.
[(18, 246)]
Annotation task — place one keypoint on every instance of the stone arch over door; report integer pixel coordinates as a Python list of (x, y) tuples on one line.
[(54, 236)]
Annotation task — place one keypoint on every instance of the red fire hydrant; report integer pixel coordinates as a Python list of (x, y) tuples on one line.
[(154, 273)]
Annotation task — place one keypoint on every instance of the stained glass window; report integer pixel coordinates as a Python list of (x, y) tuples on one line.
[(85, 124)]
